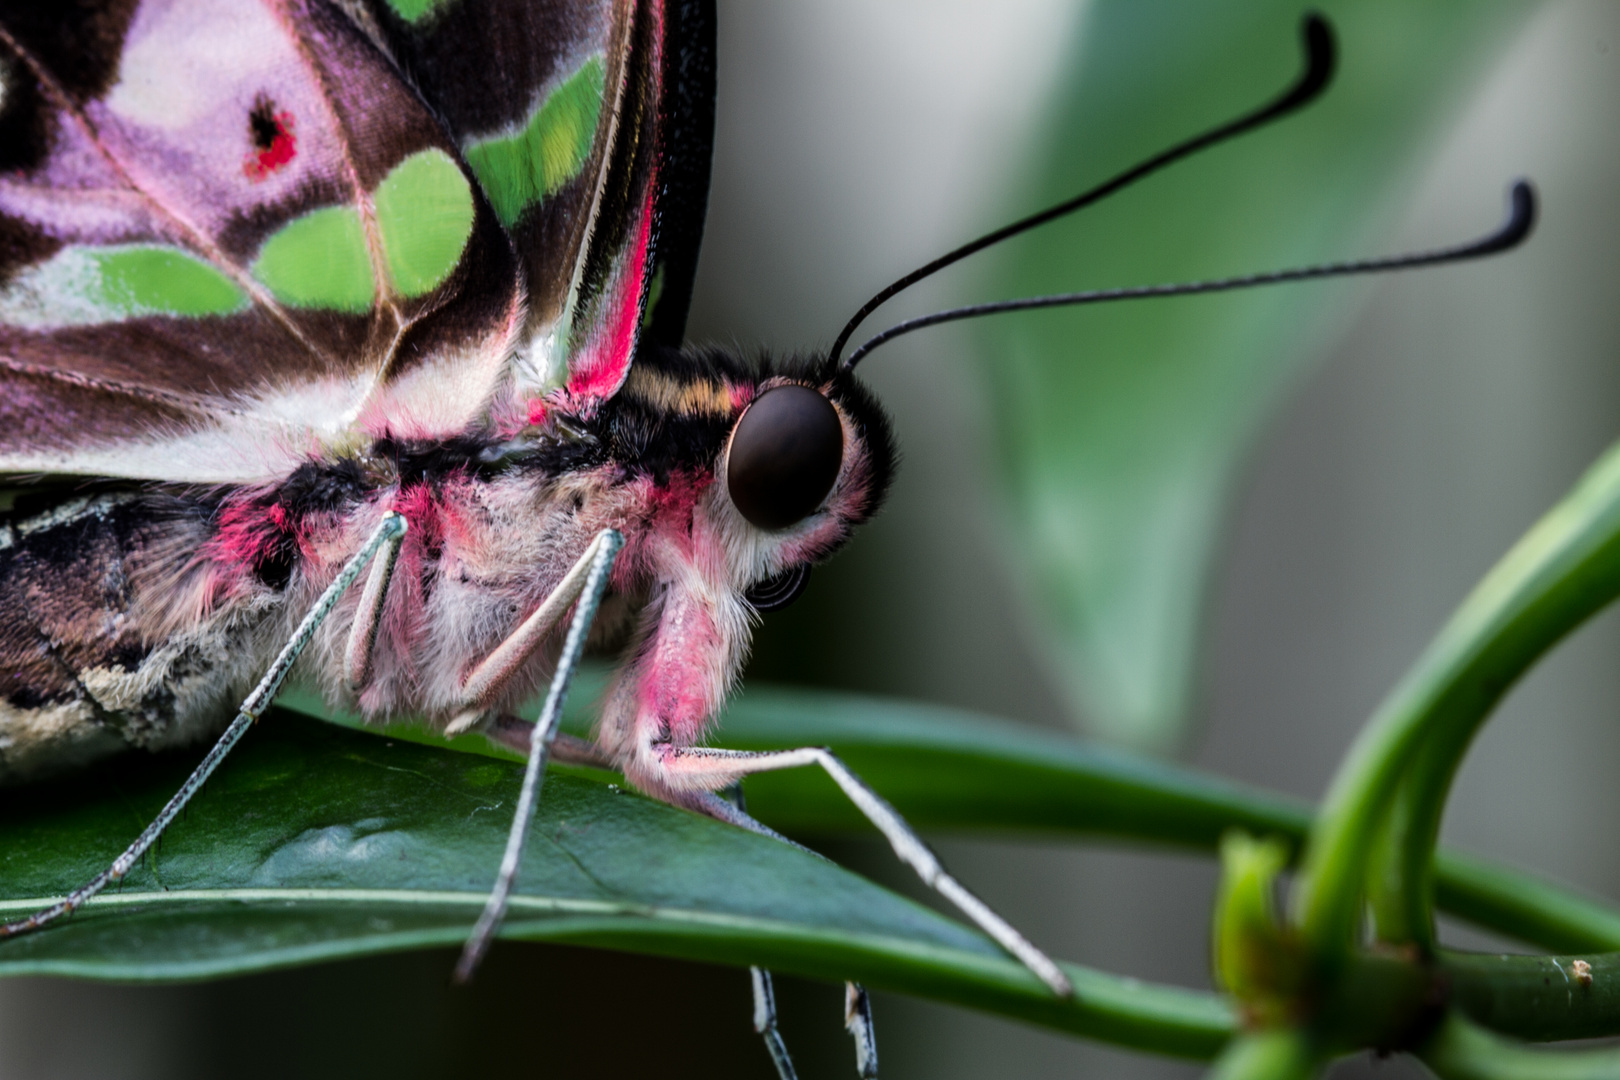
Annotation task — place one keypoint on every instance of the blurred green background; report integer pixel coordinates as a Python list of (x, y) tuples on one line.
[(1219, 527)]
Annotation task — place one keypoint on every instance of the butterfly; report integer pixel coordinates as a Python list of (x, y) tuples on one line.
[(347, 336)]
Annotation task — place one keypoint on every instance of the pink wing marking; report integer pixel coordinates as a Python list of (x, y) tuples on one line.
[(604, 360)]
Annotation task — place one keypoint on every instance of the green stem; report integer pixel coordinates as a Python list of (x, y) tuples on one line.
[(1541, 998), (1402, 901), (1563, 570), (1111, 1008), (1459, 1050), (1524, 907), (1277, 1054)]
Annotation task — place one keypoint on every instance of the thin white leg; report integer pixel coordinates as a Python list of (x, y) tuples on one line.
[(765, 1023), (389, 530), (719, 766), (484, 683), (514, 733), (593, 582), (363, 633), (730, 806), (858, 1022)]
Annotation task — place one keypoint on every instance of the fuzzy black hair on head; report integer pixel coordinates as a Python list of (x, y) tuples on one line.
[(677, 408)]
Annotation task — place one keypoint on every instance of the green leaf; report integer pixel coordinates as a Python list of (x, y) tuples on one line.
[(313, 843), (1120, 428), (943, 767), (953, 769)]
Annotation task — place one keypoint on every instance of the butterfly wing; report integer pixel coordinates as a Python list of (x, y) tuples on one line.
[(233, 234), (588, 126), (230, 229)]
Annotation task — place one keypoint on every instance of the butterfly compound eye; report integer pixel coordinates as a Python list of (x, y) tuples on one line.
[(785, 454)]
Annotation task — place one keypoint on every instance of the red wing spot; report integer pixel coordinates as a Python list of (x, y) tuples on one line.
[(274, 143)]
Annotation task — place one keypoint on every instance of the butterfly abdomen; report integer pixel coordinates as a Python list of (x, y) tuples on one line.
[(82, 677)]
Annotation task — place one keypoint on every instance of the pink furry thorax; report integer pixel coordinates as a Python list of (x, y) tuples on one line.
[(248, 529), (428, 513)]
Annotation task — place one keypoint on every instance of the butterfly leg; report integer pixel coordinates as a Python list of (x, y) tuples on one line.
[(858, 1022), (368, 616), (730, 808), (486, 681), (765, 1023), (388, 531), (587, 581), (514, 733), (695, 766)]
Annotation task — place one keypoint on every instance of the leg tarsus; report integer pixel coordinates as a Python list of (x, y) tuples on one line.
[(593, 582), (765, 1023), (514, 733), (722, 809), (858, 1022), (712, 765), (368, 615), (730, 807), (572, 750)]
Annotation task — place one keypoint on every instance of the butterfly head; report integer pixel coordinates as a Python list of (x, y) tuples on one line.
[(806, 460), (742, 474), (786, 456)]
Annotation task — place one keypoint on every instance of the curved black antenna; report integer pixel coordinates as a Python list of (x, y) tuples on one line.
[(1521, 219), (1320, 60)]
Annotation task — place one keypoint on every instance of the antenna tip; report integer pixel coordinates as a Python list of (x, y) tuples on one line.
[(1321, 53), (1523, 212)]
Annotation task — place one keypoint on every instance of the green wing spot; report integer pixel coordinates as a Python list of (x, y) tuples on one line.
[(84, 286), (319, 260), (425, 213), (517, 171), (145, 279), (414, 11)]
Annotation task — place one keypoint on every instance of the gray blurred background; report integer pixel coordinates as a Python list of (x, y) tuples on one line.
[(857, 138)]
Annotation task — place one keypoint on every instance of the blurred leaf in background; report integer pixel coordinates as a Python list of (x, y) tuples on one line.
[(1120, 429)]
